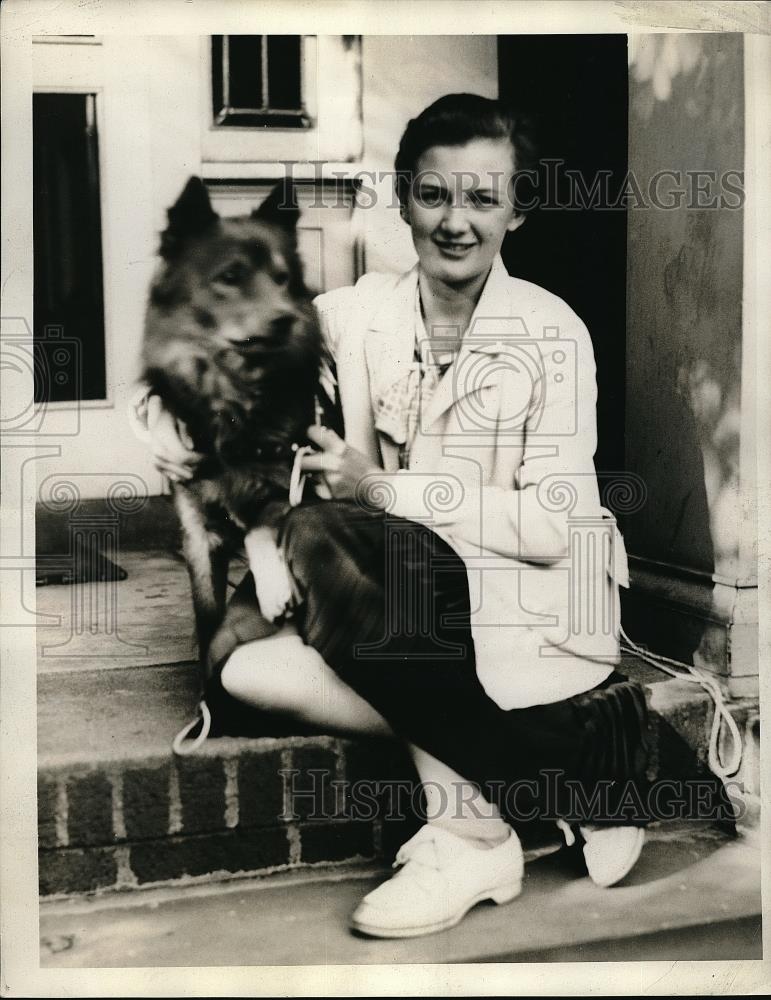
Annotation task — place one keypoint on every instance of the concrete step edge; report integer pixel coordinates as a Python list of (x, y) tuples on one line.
[(671, 943), (697, 880)]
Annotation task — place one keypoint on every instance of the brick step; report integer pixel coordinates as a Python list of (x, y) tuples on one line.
[(118, 811), (148, 819), (694, 895)]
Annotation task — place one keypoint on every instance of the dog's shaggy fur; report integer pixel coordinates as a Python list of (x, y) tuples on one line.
[(233, 348)]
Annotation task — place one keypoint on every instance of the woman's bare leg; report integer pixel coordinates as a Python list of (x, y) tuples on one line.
[(281, 674), (458, 805)]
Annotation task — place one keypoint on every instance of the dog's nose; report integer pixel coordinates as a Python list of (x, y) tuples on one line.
[(281, 325)]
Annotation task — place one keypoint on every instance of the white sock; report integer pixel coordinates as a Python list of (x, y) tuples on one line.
[(472, 817)]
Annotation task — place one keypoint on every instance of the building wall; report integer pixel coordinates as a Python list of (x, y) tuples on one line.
[(685, 419), (152, 101)]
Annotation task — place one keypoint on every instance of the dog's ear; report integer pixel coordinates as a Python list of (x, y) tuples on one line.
[(280, 207), (190, 215)]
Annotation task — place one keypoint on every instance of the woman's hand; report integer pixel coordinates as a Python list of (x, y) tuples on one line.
[(171, 447), (342, 468)]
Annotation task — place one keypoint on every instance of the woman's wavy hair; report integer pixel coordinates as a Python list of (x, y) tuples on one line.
[(456, 119)]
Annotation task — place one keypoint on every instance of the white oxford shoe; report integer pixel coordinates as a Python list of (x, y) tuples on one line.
[(440, 878), (611, 852)]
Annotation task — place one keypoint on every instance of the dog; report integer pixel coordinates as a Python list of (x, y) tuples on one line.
[(233, 347)]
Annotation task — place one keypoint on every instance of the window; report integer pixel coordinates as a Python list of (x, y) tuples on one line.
[(319, 76), (257, 81), (68, 305)]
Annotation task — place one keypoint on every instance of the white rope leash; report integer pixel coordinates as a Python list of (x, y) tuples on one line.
[(298, 477), (722, 715), (180, 745)]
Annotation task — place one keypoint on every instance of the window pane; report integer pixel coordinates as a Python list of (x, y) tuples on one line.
[(68, 317), (245, 71), (217, 82), (257, 81), (284, 72)]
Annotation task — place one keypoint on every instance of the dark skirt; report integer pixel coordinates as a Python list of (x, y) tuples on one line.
[(385, 602)]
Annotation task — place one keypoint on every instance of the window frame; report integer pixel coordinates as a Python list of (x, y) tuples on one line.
[(230, 116), (108, 401), (67, 39)]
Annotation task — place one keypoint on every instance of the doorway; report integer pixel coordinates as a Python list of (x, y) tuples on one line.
[(69, 332), (576, 87)]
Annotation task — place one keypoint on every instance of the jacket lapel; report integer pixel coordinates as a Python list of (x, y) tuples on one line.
[(390, 339), (389, 348), (487, 332)]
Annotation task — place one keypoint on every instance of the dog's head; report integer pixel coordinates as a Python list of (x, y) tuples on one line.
[(240, 278)]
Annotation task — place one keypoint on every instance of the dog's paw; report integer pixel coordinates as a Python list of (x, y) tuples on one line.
[(274, 590), (271, 577)]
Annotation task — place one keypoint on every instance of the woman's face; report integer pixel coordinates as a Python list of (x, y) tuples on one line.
[(459, 208)]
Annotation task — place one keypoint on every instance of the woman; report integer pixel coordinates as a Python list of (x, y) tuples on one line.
[(459, 590)]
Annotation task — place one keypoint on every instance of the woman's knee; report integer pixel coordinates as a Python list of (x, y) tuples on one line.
[(277, 674), (249, 677), (235, 674)]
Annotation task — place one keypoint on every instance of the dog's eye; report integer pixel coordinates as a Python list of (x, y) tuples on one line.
[(232, 275), (281, 278)]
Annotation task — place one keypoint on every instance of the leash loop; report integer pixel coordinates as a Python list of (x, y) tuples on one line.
[(298, 477), (181, 746), (721, 717)]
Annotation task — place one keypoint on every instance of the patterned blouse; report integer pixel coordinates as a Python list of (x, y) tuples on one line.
[(398, 409)]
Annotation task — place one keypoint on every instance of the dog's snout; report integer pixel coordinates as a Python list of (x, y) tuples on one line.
[(282, 324)]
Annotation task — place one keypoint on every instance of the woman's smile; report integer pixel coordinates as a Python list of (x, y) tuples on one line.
[(454, 249)]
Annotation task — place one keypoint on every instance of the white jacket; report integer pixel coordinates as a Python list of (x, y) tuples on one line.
[(502, 467)]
